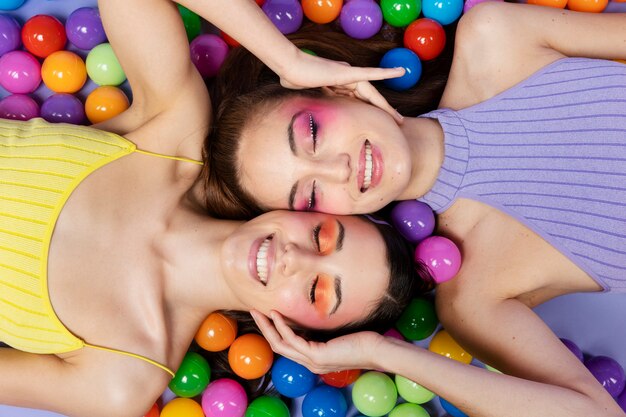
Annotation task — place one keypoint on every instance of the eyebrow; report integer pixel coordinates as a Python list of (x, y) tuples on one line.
[(292, 146), (337, 294)]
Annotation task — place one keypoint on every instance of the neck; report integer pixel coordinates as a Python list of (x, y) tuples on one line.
[(426, 147)]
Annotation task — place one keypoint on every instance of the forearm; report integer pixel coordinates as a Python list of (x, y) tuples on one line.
[(479, 392)]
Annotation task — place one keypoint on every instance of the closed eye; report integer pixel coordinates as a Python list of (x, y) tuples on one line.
[(313, 287), (313, 131), (311, 202)]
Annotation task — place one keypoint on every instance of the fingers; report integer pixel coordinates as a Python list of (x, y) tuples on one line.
[(367, 92), (275, 339), (356, 74)]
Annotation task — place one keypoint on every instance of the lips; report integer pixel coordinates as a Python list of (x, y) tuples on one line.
[(261, 258), (370, 167)]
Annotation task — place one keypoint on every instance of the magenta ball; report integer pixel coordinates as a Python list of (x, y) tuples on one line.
[(286, 15), (361, 19), (20, 72), (413, 219), (441, 256), (573, 347), (224, 398), (18, 107), (10, 34), (84, 28), (63, 108), (208, 52), (608, 372), (471, 3), (394, 333)]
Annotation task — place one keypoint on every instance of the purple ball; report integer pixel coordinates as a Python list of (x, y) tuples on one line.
[(18, 107), (224, 397), (286, 15), (63, 108), (361, 19), (84, 28), (10, 34), (621, 400), (413, 219), (20, 72), (573, 347), (608, 372), (208, 52)]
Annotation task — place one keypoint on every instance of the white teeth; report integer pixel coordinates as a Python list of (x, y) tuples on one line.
[(261, 260), (367, 173)]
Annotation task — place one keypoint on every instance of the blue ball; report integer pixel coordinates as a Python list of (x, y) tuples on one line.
[(450, 409), (324, 401), (10, 4), (402, 57), (292, 379), (443, 11)]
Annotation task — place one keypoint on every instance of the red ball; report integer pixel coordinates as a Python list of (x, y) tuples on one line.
[(341, 379), (43, 35), (232, 42), (425, 37)]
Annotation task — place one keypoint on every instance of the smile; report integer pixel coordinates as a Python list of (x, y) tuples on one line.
[(262, 263), (370, 167)]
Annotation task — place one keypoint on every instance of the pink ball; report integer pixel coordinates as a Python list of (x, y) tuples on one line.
[(208, 52), (18, 107), (441, 256), (20, 72), (471, 3), (394, 333), (224, 398)]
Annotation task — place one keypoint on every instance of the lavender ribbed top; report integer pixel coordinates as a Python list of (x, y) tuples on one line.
[(551, 152)]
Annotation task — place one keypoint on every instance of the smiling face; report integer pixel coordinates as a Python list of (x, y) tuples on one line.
[(317, 270), (334, 155)]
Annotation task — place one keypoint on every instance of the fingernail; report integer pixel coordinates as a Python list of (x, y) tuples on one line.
[(401, 117)]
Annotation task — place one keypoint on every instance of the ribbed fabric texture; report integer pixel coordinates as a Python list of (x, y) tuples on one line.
[(551, 152), (40, 166)]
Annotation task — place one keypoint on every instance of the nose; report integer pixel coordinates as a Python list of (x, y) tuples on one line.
[(295, 261), (335, 169)]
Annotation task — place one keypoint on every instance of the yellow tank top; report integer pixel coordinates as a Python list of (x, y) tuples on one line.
[(41, 164)]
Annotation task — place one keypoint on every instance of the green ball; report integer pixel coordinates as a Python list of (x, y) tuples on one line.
[(192, 377), (400, 13), (409, 410), (492, 369), (418, 320), (192, 22), (374, 394), (412, 391), (308, 51), (267, 406), (103, 67)]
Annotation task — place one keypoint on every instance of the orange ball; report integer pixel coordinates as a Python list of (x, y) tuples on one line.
[(64, 72), (592, 6), (250, 356), (216, 332), (443, 344), (559, 4), (104, 103), (182, 407), (322, 11), (153, 412)]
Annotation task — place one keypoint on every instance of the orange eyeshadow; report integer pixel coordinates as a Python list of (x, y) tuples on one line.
[(323, 294), (328, 236)]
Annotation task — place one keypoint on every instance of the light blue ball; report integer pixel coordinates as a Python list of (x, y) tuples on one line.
[(292, 379), (443, 11), (324, 401), (402, 57), (450, 409), (10, 4)]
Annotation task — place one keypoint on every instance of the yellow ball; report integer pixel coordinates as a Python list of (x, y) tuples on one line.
[(182, 407), (104, 103), (443, 344), (64, 72)]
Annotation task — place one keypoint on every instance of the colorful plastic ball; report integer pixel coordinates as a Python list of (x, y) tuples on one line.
[(491, 369), (292, 379), (402, 57), (408, 410), (443, 344), (104, 103), (471, 3), (11, 4), (63, 108), (182, 407), (621, 400), (418, 320), (10, 34), (590, 6), (573, 347), (443, 11), (321, 11), (286, 15), (412, 391), (216, 333), (20, 72), (230, 41), (192, 376), (64, 72), (192, 22), (608, 372), (103, 67), (267, 406), (426, 38), (324, 401), (451, 409), (43, 35), (84, 29), (250, 356), (208, 53), (374, 394), (413, 219), (361, 19), (441, 256), (153, 412), (340, 379), (400, 13), (394, 333), (224, 398), (18, 107)]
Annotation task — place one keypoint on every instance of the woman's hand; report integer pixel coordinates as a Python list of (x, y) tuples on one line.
[(354, 351)]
